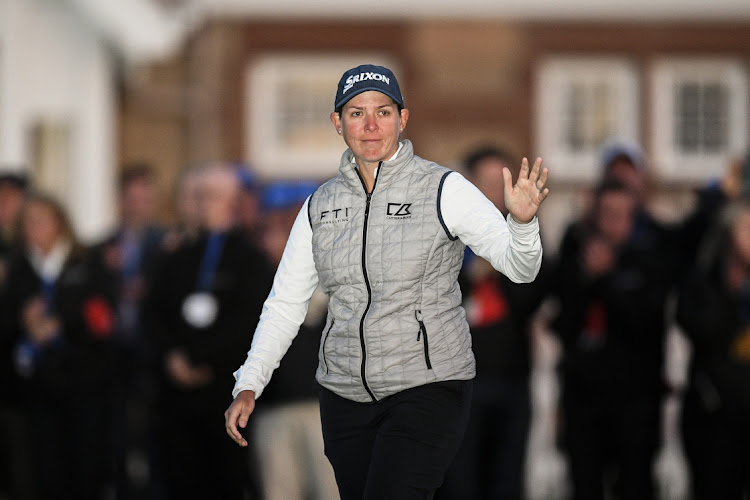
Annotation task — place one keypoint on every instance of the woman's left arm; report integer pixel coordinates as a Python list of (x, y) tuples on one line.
[(513, 248)]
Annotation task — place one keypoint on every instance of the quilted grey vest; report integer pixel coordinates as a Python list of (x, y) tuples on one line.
[(390, 268)]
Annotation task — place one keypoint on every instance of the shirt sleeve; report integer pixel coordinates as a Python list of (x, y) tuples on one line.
[(283, 311), (512, 248)]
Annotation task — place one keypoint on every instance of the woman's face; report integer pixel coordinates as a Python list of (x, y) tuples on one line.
[(41, 228), (371, 123)]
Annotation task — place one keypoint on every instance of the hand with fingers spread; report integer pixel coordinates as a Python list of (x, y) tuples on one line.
[(523, 199), (237, 414)]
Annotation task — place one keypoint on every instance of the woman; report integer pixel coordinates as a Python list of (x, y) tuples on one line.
[(385, 238), (714, 312), (61, 325)]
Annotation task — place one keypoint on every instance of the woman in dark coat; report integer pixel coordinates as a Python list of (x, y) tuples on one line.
[(60, 323), (714, 312)]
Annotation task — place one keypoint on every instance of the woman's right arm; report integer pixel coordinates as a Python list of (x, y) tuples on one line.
[(283, 311)]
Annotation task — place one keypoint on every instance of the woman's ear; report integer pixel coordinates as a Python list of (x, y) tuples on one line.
[(336, 120), (404, 117)]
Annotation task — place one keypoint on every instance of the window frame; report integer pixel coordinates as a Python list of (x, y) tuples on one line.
[(265, 149), (666, 73), (555, 74)]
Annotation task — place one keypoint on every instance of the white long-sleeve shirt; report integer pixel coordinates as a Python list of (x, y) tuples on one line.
[(512, 248)]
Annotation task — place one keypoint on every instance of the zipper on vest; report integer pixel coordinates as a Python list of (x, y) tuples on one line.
[(325, 337), (423, 332), (367, 281)]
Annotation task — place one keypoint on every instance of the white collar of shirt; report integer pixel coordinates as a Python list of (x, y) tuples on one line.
[(400, 145), (50, 266)]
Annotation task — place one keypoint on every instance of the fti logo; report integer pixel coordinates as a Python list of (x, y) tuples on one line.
[(334, 216), (398, 211)]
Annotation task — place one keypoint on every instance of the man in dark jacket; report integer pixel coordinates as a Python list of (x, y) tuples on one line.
[(202, 310), (612, 291), (14, 469), (128, 257)]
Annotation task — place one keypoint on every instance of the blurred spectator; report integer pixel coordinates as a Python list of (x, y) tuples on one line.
[(187, 209), (12, 194), (288, 433), (250, 212), (203, 306), (612, 290), (490, 462), (626, 163), (14, 463), (129, 255), (714, 312), (617, 269), (62, 324)]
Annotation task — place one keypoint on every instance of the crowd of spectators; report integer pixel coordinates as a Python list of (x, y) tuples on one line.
[(116, 358)]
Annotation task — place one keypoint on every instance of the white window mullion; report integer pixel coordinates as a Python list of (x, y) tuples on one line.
[(583, 102), (699, 118)]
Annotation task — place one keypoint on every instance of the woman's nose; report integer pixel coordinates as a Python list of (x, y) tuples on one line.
[(371, 123)]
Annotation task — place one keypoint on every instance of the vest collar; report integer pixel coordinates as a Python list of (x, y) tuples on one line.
[(386, 170)]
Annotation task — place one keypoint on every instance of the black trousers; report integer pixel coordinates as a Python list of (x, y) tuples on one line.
[(491, 461), (399, 447), (605, 437)]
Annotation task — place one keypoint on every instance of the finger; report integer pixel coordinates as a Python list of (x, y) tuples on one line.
[(524, 173), (542, 181), (231, 426), (244, 415), (543, 194), (534, 174), (507, 182)]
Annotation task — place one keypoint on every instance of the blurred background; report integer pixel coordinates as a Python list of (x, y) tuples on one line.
[(89, 88)]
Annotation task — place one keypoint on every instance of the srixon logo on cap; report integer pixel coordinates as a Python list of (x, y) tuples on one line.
[(364, 76)]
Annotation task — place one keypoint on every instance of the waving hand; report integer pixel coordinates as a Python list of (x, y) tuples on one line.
[(523, 199)]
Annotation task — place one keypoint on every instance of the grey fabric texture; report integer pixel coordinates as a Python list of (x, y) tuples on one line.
[(411, 266)]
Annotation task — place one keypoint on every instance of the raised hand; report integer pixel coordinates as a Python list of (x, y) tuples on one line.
[(523, 199)]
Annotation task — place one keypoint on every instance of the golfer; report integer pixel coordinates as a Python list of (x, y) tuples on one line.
[(385, 240)]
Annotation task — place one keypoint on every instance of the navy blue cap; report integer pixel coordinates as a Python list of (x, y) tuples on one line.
[(367, 77), (629, 150)]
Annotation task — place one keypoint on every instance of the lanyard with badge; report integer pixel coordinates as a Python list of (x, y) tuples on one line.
[(201, 307)]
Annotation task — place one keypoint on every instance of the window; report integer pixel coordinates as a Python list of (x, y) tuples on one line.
[(581, 103), (699, 117), (289, 101)]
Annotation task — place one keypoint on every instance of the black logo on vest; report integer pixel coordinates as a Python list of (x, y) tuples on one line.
[(334, 216), (398, 211)]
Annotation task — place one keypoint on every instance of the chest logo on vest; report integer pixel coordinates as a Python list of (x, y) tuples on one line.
[(398, 211), (334, 216)]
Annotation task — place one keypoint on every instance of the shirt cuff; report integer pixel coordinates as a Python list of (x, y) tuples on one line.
[(246, 385), (519, 229)]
